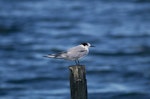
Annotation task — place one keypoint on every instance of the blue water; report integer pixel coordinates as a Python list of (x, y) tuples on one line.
[(117, 68)]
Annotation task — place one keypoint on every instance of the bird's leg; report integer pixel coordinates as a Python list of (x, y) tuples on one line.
[(76, 62)]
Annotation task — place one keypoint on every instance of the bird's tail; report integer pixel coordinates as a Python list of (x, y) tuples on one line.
[(60, 55), (50, 56)]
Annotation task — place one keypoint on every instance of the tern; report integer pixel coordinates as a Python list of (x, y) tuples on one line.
[(73, 54)]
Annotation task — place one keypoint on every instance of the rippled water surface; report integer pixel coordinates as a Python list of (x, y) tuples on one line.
[(117, 68)]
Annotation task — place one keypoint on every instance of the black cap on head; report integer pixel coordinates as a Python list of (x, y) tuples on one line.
[(84, 44)]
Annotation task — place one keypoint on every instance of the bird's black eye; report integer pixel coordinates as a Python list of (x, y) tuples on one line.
[(84, 44)]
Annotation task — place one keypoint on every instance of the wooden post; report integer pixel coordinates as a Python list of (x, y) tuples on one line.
[(78, 83)]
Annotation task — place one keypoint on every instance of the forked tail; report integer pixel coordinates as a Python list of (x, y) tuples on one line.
[(60, 55), (50, 56)]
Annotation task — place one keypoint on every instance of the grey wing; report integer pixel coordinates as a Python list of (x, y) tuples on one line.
[(77, 52), (76, 49)]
